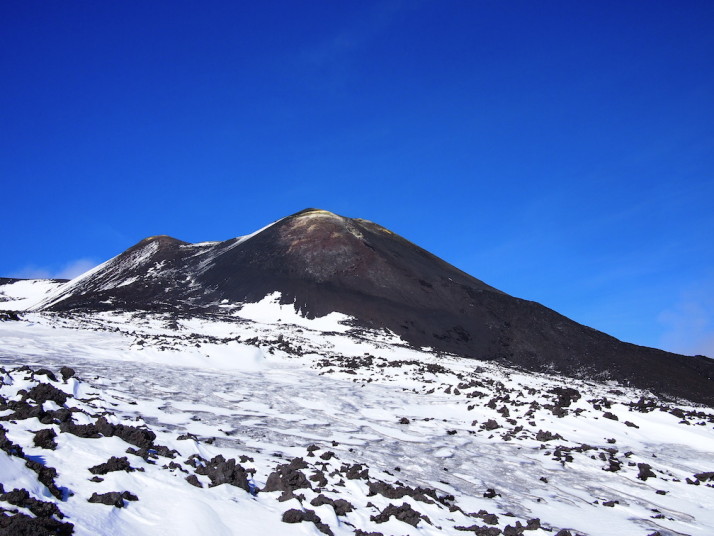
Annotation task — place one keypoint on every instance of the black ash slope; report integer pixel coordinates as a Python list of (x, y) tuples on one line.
[(322, 262)]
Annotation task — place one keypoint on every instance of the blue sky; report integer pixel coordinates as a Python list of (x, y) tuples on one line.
[(560, 151)]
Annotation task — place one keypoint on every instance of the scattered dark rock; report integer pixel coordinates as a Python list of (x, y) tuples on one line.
[(644, 405), (678, 412), (153, 452), (288, 495), (510, 530), (403, 513), (490, 519), (113, 498), (397, 492), (545, 436), (46, 475), (59, 416), (355, 472), (222, 471), (175, 467), (194, 481), (533, 524), (23, 410), (559, 412), (490, 493), (67, 373), (613, 465), (490, 425), (645, 471), (46, 372), (404, 420), (319, 478), (340, 506), (24, 525), (481, 530), (195, 461), (566, 395), (288, 477), (45, 439), (8, 446), (139, 437), (42, 392), (85, 431), (111, 465), (22, 498), (294, 516), (298, 516), (704, 477)]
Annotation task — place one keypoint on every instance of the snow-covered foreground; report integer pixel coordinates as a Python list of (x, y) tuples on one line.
[(332, 429)]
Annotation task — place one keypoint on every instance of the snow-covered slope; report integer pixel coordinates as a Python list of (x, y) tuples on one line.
[(260, 420), (24, 294)]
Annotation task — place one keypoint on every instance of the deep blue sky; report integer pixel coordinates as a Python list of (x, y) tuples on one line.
[(560, 151)]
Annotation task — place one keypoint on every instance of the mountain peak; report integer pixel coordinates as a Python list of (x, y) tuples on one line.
[(321, 262), (311, 220), (307, 212), (162, 240), (323, 242)]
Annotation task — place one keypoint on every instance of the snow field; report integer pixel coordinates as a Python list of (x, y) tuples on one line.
[(243, 387)]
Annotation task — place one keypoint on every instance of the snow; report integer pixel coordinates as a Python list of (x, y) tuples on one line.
[(199, 245), (26, 293), (237, 383), (270, 311)]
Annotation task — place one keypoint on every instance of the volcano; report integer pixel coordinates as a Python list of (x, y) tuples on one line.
[(322, 263)]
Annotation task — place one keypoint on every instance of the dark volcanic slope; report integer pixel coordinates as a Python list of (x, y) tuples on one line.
[(322, 262)]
